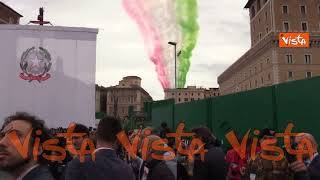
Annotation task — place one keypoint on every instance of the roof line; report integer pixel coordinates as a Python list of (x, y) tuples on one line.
[(249, 3), (10, 8)]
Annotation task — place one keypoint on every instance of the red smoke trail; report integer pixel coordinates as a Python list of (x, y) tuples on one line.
[(151, 36)]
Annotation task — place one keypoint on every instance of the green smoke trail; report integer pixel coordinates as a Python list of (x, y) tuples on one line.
[(187, 14)]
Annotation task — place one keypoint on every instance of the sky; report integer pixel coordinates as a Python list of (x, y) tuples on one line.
[(224, 37)]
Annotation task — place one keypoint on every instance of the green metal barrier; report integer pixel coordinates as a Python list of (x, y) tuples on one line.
[(272, 107)]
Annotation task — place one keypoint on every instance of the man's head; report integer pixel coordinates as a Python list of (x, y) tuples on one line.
[(107, 131), (205, 135), (77, 140), (150, 150), (303, 137), (21, 124)]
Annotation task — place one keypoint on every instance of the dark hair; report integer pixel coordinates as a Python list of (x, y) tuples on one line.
[(36, 124), (164, 125), (266, 132), (108, 129), (206, 136), (80, 128)]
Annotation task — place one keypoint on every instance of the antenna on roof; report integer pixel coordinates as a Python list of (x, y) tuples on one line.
[(40, 20)]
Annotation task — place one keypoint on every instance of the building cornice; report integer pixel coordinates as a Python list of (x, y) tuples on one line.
[(249, 3), (272, 39), (130, 88), (9, 8)]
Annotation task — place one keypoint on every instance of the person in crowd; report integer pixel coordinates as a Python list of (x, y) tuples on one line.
[(309, 169), (58, 167), (106, 165), (77, 140), (236, 165), (156, 169), (164, 130), (214, 165), (263, 169), (11, 161)]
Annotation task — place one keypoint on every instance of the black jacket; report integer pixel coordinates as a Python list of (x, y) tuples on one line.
[(105, 166), (158, 170), (213, 166), (313, 171), (314, 168), (39, 173)]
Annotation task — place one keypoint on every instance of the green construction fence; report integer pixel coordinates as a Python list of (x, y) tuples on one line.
[(274, 107)]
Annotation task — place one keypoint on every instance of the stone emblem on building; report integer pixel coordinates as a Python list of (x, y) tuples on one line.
[(35, 64)]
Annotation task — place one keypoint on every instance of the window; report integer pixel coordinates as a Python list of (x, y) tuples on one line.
[(179, 99), (304, 26), (179, 94), (289, 59), (262, 80), (290, 75), (198, 94), (192, 99), (258, 5), (286, 26), (266, 15), (268, 61), (269, 76), (259, 20), (308, 74), (303, 9), (191, 94), (285, 9), (185, 94), (172, 94), (265, 1), (307, 59), (186, 99), (267, 30), (260, 35)]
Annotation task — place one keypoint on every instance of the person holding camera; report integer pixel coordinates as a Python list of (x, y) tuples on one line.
[(309, 168)]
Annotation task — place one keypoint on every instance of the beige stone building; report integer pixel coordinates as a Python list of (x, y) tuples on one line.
[(8, 15), (265, 63), (127, 93), (101, 99), (191, 93)]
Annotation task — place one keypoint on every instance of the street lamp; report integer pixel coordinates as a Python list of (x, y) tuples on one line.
[(175, 62)]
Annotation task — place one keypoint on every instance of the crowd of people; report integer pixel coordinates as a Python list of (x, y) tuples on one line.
[(24, 160)]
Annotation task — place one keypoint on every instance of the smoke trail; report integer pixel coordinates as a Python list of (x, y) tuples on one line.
[(187, 13), (135, 8)]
